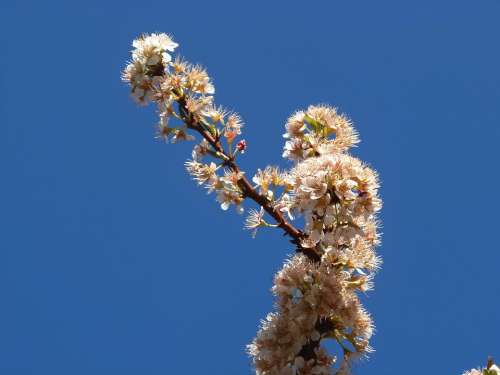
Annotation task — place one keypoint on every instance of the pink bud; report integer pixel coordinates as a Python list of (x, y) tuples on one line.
[(241, 146)]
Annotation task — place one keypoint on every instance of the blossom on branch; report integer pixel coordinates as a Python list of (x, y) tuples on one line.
[(317, 291), (150, 56), (317, 131), (490, 369)]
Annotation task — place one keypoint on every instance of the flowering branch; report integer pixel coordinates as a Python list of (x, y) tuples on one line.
[(336, 193)]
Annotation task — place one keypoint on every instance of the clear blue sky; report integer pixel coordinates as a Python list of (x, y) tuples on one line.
[(113, 262)]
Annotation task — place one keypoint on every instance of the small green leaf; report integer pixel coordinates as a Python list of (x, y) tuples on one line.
[(317, 127)]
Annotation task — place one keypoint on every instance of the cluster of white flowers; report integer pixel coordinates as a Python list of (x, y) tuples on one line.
[(308, 293), (226, 186), (280, 339), (310, 133), (155, 77), (490, 369), (337, 195), (150, 57)]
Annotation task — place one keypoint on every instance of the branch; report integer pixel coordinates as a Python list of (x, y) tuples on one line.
[(243, 183), (153, 77)]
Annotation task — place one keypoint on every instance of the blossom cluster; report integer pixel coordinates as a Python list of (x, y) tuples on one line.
[(317, 131), (338, 197), (490, 369), (308, 293), (317, 291), (183, 94), (226, 186), (150, 57)]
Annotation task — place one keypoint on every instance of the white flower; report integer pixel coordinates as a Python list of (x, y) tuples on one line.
[(216, 114), (225, 197), (198, 105), (151, 49), (201, 173), (198, 81), (284, 205), (315, 185), (200, 150), (163, 131), (293, 149), (233, 126), (254, 220)]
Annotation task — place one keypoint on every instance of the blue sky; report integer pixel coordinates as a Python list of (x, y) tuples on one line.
[(113, 262)]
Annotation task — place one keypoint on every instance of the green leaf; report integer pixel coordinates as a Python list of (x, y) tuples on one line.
[(317, 127)]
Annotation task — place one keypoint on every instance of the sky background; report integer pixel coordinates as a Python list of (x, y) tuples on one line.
[(112, 261)]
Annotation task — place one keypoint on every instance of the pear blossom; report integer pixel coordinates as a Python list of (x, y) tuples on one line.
[(233, 126), (201, 172), (200, 150), (215, 114), (152, 49), (255, 220), (163, 131), (198, 81)]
